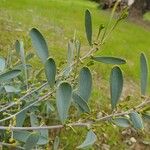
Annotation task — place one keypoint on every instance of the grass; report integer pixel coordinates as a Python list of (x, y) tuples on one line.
[(147, 16), (58, 20)]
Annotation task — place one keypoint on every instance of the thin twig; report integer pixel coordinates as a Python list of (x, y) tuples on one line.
[(43, 85), (81, 124), (27, 107), (23, 97), (10, 145)]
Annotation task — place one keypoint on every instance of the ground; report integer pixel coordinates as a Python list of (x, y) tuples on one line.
[(58, 20)]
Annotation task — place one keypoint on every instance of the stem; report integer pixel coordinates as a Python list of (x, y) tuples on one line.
[(23, 97), (43, 85), (81, 124), (10, 145), (110, 20), (35, 102), (108, 34)]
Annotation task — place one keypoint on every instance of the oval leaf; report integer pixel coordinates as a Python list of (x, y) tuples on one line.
[(31, 141), (20, 118), (121, 122), (56, 143), (9, 75), (11, 89), (21, 136), (144, 73), (88, 26), (70, 58), (40, 45), (89, 140), (43, 134), (63, 100), (109, 60), (50, 71), (20, 50), (136, 120), (116, 85), (2, 64), (85, 84), (79, 100)]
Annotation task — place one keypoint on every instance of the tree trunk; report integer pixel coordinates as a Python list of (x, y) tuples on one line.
[(138, 8)]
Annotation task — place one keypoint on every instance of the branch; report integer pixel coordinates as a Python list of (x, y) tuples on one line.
[(43, 85), (27, 107), (81, 124), (23, 97), (10, 145)]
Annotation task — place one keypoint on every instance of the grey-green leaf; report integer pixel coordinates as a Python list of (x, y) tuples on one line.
[(43, 134), (136, 120), (2, 64), (121, 122), (9, 75), (82, 103), (40, 44), (109, 60), (88, 26), (78, 48), (50, 71), (144, 73), (20, 118), (116, 85), (63, 100), (20, 50), (70, 58), (85, 83), (89, 140), (56, 143), (11, 89), (31, 141), (146, 116), (21, 135)]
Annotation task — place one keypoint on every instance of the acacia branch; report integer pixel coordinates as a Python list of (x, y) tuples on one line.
[(10, 145), (27, 107), (23, 97), (43, 85), (80, 124)]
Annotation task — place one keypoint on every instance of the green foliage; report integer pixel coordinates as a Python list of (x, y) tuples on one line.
[(70, 58), (40, 44), (4, 77), (144, 73), (109, 60), (11, 89), (41, 108), (2, 64), (121, 122), (31, 141), (20, 51), (21, 135), (116, 85), (88, 26), (81, 102), (63, 100), (89, 140), (43, 134), (50, 71), (85, 84), (56, 143), (136, 120)]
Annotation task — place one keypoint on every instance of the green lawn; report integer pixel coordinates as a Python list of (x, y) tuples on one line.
[(147, 16), (58, 20)]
